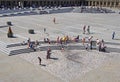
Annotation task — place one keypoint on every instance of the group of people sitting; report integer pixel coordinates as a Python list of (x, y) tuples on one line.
[(101, 45), (98, 44), (47, 40), (87, 42), (32, 45), (62, 40), (67, 39)]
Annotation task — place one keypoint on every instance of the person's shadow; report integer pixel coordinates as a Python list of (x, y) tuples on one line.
[(116, 39), (43, 65), (54, 58)]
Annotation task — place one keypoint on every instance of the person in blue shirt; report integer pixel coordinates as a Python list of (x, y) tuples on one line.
[(113, 35)]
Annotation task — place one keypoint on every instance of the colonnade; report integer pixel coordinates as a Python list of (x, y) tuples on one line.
[(104, 3)]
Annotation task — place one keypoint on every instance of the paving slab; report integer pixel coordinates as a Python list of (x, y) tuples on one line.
[(15, 69)]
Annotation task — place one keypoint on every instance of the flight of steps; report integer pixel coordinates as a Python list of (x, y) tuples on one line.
[(76, 10), (62, 10), (3, 48), (21, 51)]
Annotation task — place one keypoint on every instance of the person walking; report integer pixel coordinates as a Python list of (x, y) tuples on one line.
[(91, 44), (90, 38), (88, 30), (48, 53), (87, 46), (58, 40), (83, 41), (39, 60), (84, 29), (44, 30), (113, 35), (54, 20), (97, 43), (100, 46), (102, 42)]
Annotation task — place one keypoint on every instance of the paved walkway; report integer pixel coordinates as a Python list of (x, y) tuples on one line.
[(109, 72), (15, 69), (58, 47)]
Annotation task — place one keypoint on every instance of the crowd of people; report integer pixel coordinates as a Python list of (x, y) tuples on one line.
[(32, 45), (88, 42)]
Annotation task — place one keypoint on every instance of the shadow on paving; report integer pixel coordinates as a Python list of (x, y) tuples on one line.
[(15, 45), (112, 43), (109, 49), (33, 42), (19, 14), (3, 26), (44, 48), (52, 42), (20, 51)]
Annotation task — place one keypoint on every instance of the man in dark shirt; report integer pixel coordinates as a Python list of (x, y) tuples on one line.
[(39, 60), (48, 53)]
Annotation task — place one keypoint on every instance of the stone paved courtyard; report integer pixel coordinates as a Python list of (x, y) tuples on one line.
[(71, 64)]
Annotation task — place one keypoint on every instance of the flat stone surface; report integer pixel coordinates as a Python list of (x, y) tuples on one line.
[(71, 65), (109, 72), (15, 69)]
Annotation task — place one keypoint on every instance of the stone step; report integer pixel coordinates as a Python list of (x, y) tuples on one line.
[(40, 42), (20, 51), (45, 48), (3, 43), (3, 48)]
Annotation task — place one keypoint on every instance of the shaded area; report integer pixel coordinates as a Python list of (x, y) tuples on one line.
[(20, 51), (44, 48), (112, 43), (19, 14), (13, 11), (3, 26), (84, 9), (40, 42), (24, 44), (53, 42), (62, 10), (53, 58), (34, 11), (43, 65), (73, 57), (15, 45), (25, 12), (109, 49)]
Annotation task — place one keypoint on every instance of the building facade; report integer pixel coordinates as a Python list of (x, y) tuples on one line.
[(37, 3), (104, 3)]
